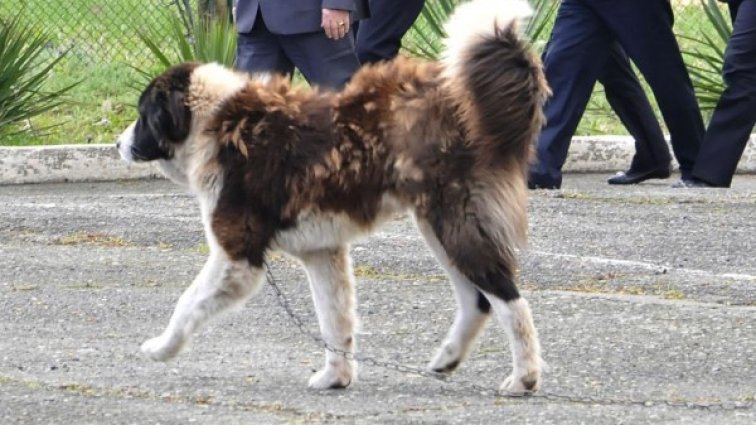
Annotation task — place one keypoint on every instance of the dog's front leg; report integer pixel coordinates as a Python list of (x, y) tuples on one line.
[(221, 284), (330, 276)]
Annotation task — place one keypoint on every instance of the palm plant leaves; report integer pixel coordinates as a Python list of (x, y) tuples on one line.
[(211, 39), (540, 25), (706, 57), (425, 37), (23, 71)]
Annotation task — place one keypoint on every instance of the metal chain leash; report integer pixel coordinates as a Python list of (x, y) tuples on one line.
[(543, 395), (370, 361)]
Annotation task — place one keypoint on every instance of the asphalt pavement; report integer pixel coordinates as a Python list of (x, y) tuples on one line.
[(643, 296)]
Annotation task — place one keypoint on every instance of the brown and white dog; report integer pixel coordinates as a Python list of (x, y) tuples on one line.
[(276, 167)]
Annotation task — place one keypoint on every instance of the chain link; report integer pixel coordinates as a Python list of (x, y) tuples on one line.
[(542, 395)]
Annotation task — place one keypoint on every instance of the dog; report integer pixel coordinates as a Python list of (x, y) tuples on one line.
[(305, 171)]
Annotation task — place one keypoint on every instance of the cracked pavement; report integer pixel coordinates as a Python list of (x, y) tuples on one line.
[(643, 297)]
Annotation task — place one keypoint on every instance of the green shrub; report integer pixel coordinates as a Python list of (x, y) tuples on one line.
[(705, 56), (211, 39), (24, 68), (425, 38)]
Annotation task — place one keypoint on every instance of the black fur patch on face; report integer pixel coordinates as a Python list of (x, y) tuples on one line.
[(164, 118)]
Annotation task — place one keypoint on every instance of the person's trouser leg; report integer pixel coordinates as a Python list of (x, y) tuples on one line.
[(576, 53), (644, 29), (380, 36), (323, 62), (629, 101), (735, 114), (259, 51)]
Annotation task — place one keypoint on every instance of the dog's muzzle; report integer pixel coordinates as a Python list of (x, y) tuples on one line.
[(125, 142)]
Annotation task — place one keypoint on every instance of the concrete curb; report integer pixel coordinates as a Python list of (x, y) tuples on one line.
[(591, 154), (61, 163)]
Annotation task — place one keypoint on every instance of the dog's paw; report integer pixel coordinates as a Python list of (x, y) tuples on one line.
[(331, 378), (521, 384), (161, 348), (446, 360)]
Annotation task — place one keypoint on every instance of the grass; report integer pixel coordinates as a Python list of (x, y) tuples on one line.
[(104, 46), (615, 283), (364, 271), (98, 109), (96, 238), (95, 29)]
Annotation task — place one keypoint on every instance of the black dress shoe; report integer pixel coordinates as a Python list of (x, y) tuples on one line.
[(692, 184), (533, 185), (635, 177)]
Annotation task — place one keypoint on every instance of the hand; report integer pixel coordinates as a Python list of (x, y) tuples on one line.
[(335, 23)]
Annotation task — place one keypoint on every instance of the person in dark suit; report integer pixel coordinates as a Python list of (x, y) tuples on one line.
[(314, 36), (380, 37), (581, 44), (735, 114), (652, 159), (628, 100)]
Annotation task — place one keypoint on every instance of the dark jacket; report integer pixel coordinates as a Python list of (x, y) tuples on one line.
[(293, 16)]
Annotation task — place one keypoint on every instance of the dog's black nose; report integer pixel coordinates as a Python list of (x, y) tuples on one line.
[(118, 145)]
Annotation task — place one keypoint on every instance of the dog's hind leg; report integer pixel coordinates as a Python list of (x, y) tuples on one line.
[(514, 315), (220, 285), (483, 254), (330, 276), (472, 313)]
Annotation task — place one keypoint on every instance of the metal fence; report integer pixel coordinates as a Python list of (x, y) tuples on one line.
[(102, 30), (93, 30), (105, 30)]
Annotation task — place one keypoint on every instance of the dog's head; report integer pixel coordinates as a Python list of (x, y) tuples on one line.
[(165, 119)]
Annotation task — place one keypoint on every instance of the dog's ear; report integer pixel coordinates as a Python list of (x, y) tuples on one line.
[(164, 117), (172, 119), (164, 121)]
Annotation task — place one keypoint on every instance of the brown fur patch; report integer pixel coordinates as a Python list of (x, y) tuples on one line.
[(399, 130)]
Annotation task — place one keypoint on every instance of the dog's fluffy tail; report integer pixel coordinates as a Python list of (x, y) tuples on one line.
[(496, 80)]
